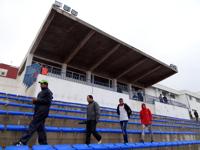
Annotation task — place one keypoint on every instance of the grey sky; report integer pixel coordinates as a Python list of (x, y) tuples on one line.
[(168, 30)]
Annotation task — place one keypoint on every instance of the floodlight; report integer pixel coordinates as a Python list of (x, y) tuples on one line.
[(66, 8), (58, 4), (74, 12)]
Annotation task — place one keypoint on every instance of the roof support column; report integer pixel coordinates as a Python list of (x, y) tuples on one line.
[(114, 84), (64, 69), (130, 91), (88, 76), (29, 60)]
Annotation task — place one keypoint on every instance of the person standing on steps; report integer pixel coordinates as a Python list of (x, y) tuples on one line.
[(41, 112), (124, 112), (93, 115), (146, 121)]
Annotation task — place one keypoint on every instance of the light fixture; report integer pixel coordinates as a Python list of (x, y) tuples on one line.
[(66, 8), (58, 4), (74, 12)]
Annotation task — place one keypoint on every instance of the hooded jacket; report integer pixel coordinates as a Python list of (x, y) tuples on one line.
[(146, 116)]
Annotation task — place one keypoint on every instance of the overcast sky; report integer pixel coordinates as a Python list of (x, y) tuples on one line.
[(168, 30)]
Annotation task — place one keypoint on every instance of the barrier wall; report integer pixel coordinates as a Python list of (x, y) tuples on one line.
[(171, 111)]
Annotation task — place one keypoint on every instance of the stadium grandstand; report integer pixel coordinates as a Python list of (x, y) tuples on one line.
[(78, 59)]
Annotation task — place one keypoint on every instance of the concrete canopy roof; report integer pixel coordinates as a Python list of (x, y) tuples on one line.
[(66, 39)]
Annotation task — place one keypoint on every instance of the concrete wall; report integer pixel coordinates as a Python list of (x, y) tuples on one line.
[(70, 91), (172, 111), (8, 85)]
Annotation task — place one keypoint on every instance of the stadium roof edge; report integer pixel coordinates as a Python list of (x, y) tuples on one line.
[(63, 25)]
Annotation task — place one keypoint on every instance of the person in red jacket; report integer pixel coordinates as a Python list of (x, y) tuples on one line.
[(146, 121)]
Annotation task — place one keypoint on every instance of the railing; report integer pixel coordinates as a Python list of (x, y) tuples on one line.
[(152, 99), (78, 77)]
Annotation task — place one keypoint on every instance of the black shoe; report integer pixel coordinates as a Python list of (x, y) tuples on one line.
[(152, 141), (19, 143)]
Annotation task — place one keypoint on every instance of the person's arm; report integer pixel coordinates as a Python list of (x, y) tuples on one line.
[(97, 111), (45, 99), (128, 109), (118, 110)]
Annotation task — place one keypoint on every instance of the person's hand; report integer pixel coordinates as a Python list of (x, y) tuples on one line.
[(34, 100)]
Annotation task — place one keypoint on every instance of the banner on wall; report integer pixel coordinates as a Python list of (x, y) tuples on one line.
[(31, 74)]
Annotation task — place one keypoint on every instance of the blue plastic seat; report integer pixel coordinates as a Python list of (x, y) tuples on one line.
[(42, 147), (0, 148), (17, 148), (2, 127), (3, 112), (112, 146), (99, 146), (15, 113), (63, 147), (82, 147), (122, 146), (16, 128), (52, 129)]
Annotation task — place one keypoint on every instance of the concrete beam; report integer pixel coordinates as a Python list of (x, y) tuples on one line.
[(131, 68), (146, 74), (105, 57), (79, 46)]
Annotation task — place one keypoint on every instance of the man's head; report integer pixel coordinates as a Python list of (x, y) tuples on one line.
[(143, 106), (43, 84), (121, 101), (90, 98)]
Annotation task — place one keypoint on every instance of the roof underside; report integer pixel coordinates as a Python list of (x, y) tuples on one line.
[(66, 39)]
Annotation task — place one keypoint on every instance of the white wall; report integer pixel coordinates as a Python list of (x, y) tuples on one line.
[(172, 111), (8, 85), (70, 91)]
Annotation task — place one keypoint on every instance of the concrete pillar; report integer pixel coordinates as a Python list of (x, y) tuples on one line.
[(114, 82), (130, 91), (88, 76), (29, 59), (64, 69), (157, 93)]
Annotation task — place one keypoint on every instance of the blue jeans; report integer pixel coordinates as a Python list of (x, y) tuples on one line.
[(123, 125)]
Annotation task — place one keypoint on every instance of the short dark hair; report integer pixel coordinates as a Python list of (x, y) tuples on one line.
[(121, 99), (143, 104), (90, 96)]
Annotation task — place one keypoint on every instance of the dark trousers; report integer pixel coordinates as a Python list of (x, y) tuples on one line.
[(91, 129), (37, 124), (123, 125)]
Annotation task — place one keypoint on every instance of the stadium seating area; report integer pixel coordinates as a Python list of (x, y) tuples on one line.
[(64, 132)]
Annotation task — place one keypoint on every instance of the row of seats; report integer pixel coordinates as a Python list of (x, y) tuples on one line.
[(28, 106), (82, 130), (5, 114), (109, 146), (27, 99)]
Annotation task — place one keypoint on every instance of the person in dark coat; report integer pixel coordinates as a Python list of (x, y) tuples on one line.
[(196, 115), (124, 112), (93, 115), (41, 112)]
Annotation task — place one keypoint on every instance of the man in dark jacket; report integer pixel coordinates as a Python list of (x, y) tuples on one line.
[(41, 111), (196, 115), (124, 112), (93, 115)]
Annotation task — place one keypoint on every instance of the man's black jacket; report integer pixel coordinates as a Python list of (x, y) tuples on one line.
[(127, 108), (43, 103)]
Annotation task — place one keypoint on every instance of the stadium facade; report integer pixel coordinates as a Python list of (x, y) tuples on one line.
[(82, 60)]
